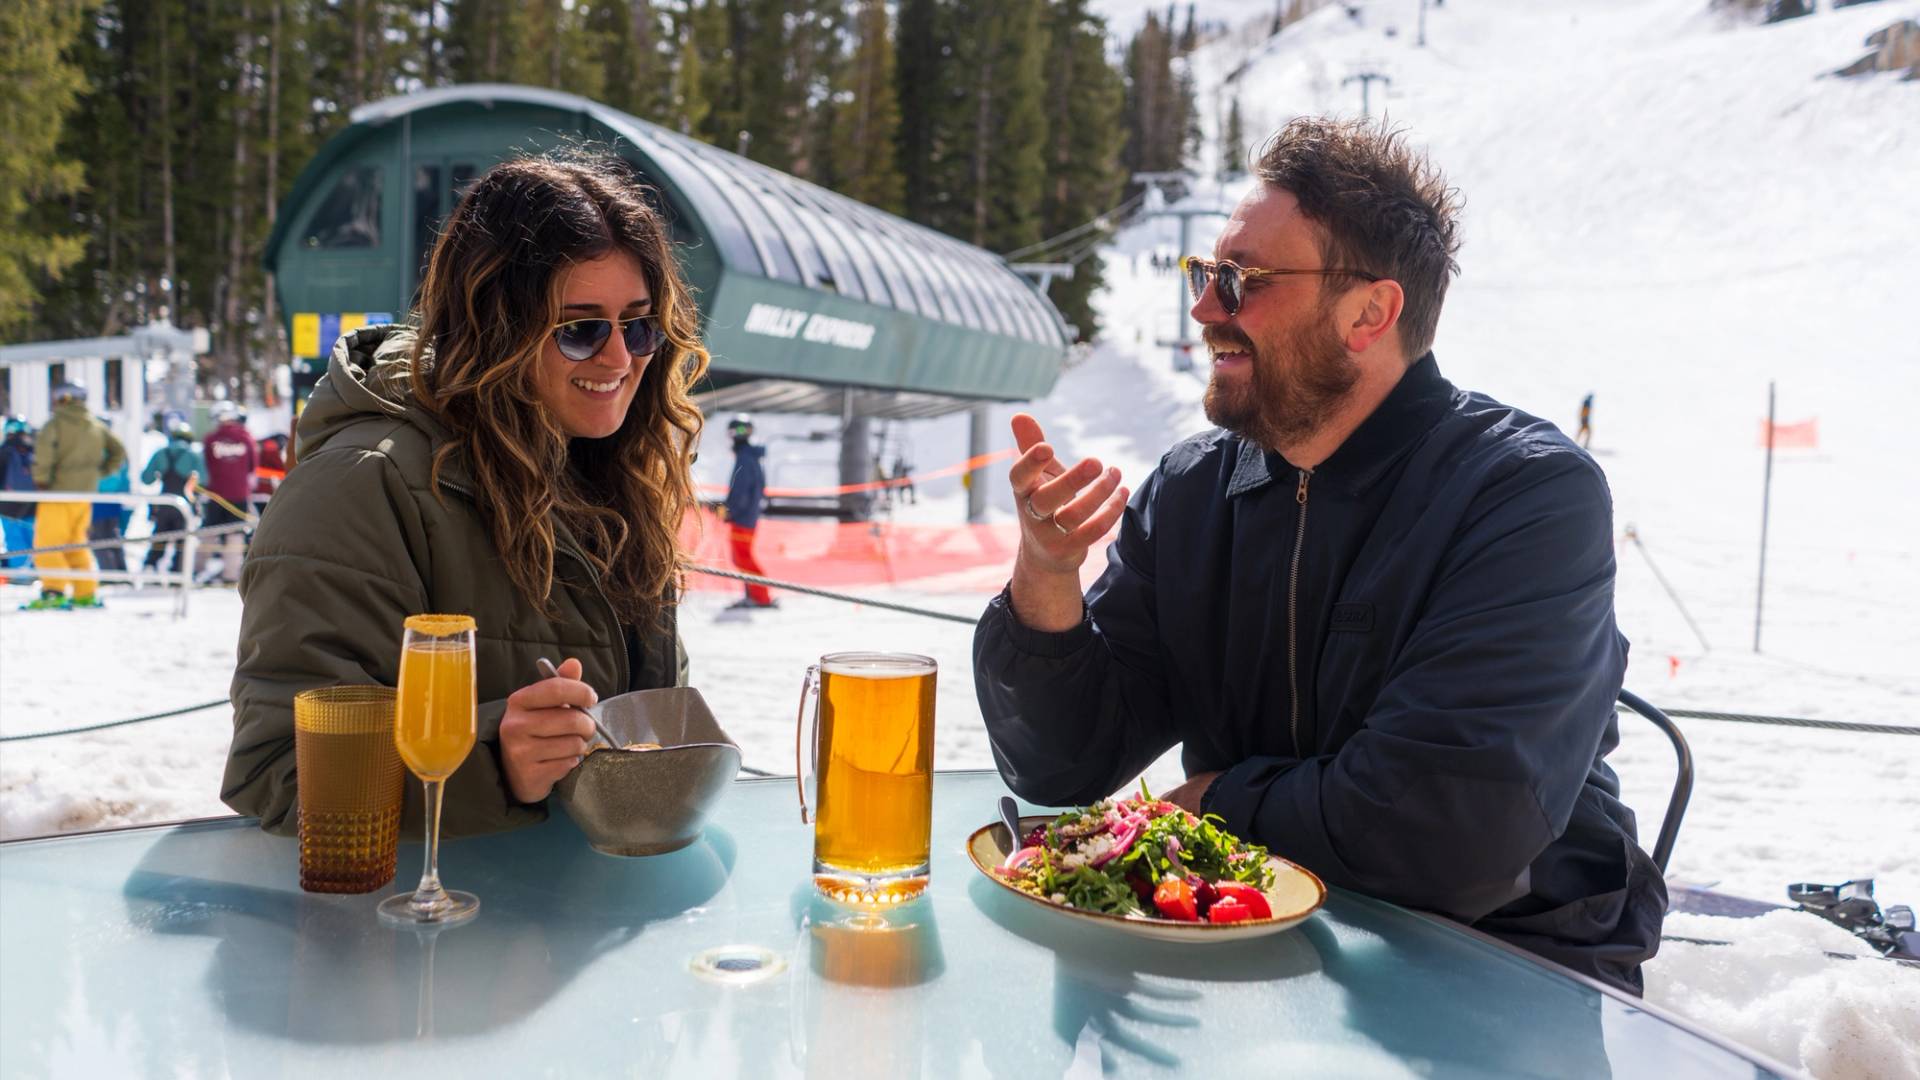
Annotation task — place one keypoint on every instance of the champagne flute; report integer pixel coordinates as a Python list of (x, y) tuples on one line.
[(434, 723)]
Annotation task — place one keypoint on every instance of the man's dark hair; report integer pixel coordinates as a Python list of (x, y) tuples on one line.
[(1381, 207)]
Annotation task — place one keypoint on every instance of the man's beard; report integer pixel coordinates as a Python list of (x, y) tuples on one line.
[(1296, 383)]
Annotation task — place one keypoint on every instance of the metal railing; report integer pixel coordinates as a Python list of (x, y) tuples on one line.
[(183, 579)]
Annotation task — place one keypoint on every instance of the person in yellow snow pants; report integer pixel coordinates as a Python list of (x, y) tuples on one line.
[(57, 523)]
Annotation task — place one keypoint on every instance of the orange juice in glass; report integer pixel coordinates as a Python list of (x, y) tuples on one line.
[(434, 722)]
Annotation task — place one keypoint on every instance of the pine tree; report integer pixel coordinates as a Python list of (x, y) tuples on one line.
[(766, 76), (39, 87), (687, 103), (920, 73), (481, 40), (633, 52), (1084, 177), (1159, 106), (866, 117), (1233, 142), (996, 126), (686, 98)]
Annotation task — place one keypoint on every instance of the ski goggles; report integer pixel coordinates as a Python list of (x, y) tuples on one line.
[(1232, 278), (582, 339)]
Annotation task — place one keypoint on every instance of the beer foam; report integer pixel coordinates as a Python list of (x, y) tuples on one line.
[(878, 665)]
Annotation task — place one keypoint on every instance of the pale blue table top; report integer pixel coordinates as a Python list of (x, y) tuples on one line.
[(191, 951)]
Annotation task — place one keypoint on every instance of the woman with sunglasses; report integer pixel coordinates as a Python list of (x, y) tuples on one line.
[(521, 452)]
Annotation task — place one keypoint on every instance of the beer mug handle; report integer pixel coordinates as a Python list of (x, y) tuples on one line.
[(806, 739)]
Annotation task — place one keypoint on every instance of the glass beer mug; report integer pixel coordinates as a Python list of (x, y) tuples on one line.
[(871, 756)]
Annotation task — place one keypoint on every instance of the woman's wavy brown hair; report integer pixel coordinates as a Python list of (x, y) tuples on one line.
[(490, 299)]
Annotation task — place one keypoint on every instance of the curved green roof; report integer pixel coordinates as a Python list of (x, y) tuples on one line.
[(799, 283)]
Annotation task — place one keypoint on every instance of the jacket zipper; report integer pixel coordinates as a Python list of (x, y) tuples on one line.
[(620, 636), (1293, 618)]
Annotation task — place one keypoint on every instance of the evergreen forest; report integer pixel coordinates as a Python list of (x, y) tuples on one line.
[(145, 145)]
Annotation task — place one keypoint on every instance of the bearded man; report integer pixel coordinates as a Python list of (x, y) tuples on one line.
[(1374, 610)]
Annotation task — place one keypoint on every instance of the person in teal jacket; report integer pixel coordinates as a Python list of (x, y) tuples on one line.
[(110, 520), (177, 468)]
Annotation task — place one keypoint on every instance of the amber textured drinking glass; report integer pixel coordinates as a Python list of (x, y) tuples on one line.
[(350, 783)]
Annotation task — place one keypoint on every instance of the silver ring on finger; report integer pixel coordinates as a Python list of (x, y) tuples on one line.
[(1027, 502), (1055, 522)]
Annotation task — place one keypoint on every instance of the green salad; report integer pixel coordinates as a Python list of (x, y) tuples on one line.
[(1145, 858)]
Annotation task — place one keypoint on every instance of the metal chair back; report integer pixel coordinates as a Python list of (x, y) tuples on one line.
[(1682, 780)]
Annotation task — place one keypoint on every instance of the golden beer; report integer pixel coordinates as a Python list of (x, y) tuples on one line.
[(434, 729), (875, 773)]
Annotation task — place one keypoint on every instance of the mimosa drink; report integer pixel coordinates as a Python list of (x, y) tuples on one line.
[(434, 728)]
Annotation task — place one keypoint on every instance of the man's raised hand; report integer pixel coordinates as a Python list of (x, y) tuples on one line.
[(1063, 511)]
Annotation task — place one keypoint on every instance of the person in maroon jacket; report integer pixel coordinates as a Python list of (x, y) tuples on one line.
[(231, 459), (271, 470)]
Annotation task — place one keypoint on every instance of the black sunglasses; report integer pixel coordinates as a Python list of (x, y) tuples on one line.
[(1233, 278), (582, 339)]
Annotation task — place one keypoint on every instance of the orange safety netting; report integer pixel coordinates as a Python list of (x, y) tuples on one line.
[(972, 559), (958, 467)]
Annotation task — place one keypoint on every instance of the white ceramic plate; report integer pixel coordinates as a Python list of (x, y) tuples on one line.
[(1295, 895)]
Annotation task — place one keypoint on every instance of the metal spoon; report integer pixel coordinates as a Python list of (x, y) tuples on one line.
[(1010, 816), (548, 671)]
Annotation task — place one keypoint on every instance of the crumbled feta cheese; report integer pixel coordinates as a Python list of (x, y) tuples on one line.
[(1058, 898)]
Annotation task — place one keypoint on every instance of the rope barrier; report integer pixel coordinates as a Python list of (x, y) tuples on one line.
[(113, 724), (848, 598), (908, 609), (121, 541), (1796, 721), (243, 515)]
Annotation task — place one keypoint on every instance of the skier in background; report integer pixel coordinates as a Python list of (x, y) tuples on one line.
[(177, 468), (1585, 435), (903, 480), (16, 466), (110, 521), (746, 497), (16, 474), (231, 459), (74, 453), (272, 470)]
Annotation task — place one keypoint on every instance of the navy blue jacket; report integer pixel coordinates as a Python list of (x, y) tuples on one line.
[(18, 474), (1405, 660), (747, 488)]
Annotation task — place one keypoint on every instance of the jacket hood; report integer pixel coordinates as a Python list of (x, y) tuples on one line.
[(369, 376)]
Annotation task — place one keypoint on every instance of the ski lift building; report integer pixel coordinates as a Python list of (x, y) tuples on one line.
[(810, 301)]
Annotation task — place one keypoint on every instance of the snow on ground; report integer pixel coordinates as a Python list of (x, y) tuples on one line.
[(1661, 210), (1776, 984)]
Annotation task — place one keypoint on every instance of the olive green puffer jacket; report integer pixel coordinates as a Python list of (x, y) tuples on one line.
[(74, 451), (353, 542)]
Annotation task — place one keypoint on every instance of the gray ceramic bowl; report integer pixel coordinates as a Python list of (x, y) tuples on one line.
[(652, 801)]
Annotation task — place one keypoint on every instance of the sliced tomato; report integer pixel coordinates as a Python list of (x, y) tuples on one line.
[(1227, 910), (1174, 898), (1244, 893)]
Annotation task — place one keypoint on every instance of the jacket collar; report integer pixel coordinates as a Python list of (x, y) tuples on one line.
[(1410, 410)]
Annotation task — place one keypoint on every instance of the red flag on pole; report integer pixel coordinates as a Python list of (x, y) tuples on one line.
[(1804, 435)]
